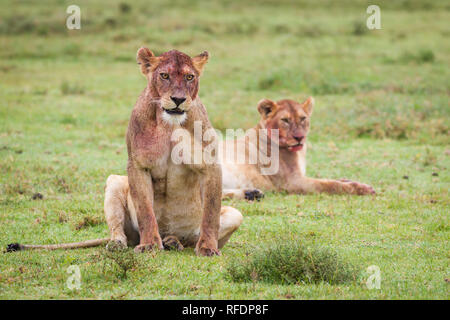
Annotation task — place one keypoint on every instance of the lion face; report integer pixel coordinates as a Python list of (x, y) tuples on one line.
[(174, 80), (290, 118)]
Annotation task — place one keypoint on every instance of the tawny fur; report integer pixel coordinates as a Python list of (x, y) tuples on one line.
[(292, 119), (185, 224), (161, 203), (162, 198)]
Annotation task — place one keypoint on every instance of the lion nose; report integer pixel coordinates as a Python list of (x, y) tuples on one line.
[(299, 138), (177, 100)]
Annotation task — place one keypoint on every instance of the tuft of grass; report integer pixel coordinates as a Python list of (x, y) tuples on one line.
[(67, 88), (124, 7), (118, 261), (269, 82), (87, 221), (17, 25), (359, 28), (425, 56), (422, 56), (292, 263), (430, 158)]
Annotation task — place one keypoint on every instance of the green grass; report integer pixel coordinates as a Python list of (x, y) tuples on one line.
[(290, 262), (382, 113)]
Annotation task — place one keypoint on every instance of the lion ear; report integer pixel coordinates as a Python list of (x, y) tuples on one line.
[(200, 61), (308, 105), (147, 60), (266, 108)]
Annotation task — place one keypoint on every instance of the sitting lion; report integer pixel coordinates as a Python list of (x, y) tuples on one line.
[(161, 203), (244, 181)]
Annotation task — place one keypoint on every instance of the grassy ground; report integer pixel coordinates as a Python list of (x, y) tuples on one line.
[(381, 117)]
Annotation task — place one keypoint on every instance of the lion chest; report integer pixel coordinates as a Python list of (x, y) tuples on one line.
[(177, 196), (177, 201), (152, 147)]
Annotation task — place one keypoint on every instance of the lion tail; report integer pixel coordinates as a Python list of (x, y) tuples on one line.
[(74, 245)]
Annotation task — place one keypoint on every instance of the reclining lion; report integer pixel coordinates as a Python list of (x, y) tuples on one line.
[(292, 119)]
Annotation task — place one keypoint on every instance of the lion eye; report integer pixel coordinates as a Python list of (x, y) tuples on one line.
[(302, 119), (189, 77), (165, 76), (285, 120)]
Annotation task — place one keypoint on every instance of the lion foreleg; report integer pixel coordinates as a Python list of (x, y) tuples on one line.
[(141, 191), (207, 244), (304, 185)]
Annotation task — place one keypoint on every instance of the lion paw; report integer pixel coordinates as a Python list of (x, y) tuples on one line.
[(149, 247), (207, 252), (253, 194), (362, 188), (114, 245), (172, 243), (13, 247)]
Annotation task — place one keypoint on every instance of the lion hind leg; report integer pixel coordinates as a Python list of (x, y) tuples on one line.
[(230, 220), (115, 209)]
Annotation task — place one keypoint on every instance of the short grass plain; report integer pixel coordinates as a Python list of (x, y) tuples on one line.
[(381, 117)]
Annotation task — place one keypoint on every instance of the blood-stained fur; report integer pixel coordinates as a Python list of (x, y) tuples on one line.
[(292, 119), (161, 203), (159, 198)]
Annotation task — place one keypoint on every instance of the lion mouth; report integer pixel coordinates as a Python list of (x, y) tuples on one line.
[(175, 111), (295, 147)]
